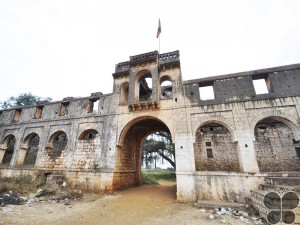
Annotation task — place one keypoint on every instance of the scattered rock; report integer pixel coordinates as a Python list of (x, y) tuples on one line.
[(44, 192), (202, 210), (211, 216)]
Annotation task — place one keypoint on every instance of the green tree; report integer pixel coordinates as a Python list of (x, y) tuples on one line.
[(22, 100), (159, 146)]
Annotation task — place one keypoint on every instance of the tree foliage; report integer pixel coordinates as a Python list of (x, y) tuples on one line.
[(159, 146), (22, 100)]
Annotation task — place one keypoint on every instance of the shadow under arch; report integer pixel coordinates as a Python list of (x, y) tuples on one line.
[(127, 171)]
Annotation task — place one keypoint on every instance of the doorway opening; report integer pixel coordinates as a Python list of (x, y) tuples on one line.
[(130, 155)]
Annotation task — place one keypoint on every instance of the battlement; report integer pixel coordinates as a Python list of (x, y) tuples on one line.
[(165, 60)]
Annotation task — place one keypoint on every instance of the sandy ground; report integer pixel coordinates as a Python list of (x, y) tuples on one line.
[(141, 205)]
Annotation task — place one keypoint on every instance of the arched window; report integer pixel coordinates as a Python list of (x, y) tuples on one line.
[(124, 92), (29, 149), (166, 91), (89, 134), (57, 143), (214, 149), (143, 87), (8, 145), (275, 146)]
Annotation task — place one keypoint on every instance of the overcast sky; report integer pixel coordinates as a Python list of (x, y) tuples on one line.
[(61, 48)]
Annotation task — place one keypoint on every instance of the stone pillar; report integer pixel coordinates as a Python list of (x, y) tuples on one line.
[(246, 153), (244, 138), (21, 156), (2, 152)]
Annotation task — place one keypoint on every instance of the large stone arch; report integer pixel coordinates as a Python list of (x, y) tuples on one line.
[(28, 150), (55, 150), (215, 148), (128, 154), (6, 151), (216, 119), (280, 116), (87, 152), (275, 144)]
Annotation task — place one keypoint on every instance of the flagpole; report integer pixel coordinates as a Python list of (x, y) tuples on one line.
[(159, 44)]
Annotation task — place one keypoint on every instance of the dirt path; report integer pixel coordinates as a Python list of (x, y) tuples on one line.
[(141, 205)]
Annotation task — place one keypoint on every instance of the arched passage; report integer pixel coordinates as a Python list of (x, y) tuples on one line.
[(29, 149), (215, 149), (275, 146), (7, 149), (129, 151)]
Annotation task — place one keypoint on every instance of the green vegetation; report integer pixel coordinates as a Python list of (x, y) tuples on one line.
[(22, 100), (151, 176), (159, 145)]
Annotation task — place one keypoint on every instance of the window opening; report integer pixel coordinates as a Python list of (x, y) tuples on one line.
[(166, 89), (262, 84), (17, 115), (93, 106), (38, 112), (64, 109), (209, 153), (206, 91)]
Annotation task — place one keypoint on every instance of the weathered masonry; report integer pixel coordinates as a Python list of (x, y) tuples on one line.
[(228, 135)]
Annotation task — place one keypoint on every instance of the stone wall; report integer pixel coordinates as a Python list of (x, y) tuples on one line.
[(214, 149), (275, 150)]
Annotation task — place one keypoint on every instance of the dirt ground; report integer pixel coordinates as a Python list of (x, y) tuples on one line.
[(141, 205)]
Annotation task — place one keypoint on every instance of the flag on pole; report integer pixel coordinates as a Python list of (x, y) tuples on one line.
[(158, 29)]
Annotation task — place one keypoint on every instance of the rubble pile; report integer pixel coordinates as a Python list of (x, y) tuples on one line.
[(222, 212)]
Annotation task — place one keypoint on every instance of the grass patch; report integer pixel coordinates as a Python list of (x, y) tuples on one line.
[(151, 176), (22, 185)]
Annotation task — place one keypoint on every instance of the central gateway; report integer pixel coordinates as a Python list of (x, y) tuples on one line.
[(129, 150)]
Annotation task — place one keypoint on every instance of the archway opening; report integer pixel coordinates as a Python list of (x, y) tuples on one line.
[(215, 150), (143, 88), (87, 152), (9, 145), (124, 93), (129, 157), (55, 150), (31, 143), (275, 146), (166, 91)]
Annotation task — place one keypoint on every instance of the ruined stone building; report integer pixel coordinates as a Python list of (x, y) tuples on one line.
[(226, 144)]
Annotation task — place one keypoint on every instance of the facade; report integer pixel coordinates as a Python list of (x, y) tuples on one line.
[(225, 146)]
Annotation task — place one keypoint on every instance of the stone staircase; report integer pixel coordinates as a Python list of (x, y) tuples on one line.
[(280, 185)]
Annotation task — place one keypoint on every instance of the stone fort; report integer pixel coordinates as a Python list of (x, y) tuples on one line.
[(226, 145)]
